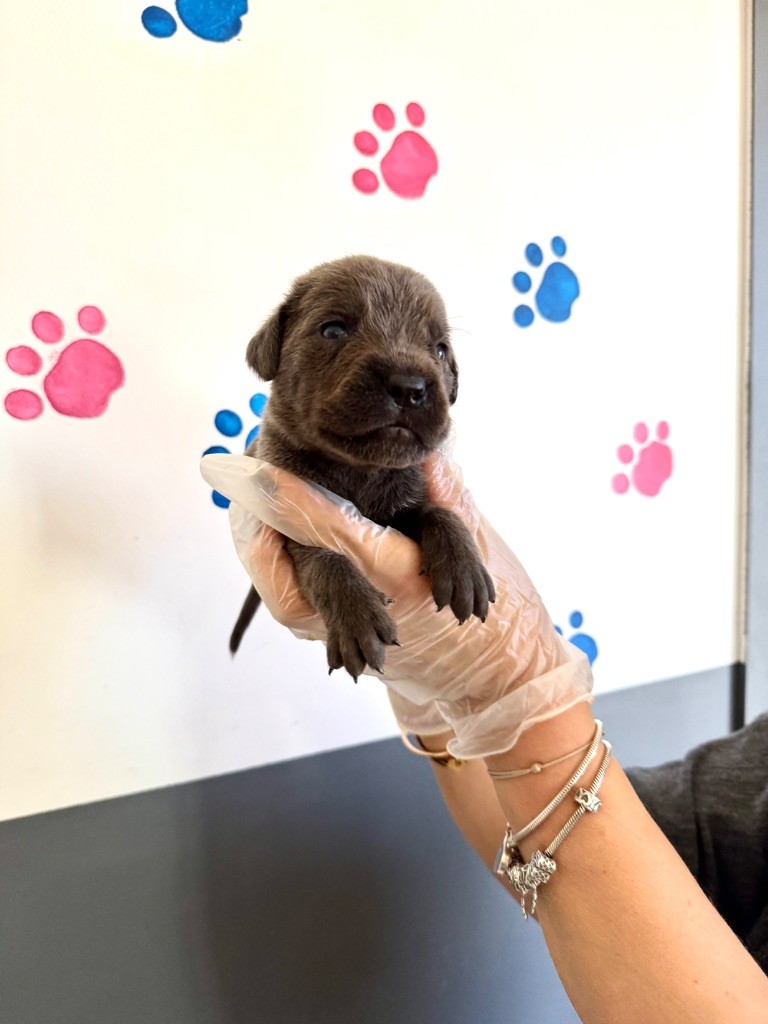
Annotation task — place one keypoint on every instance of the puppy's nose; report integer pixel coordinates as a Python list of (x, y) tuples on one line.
[(405, 390)]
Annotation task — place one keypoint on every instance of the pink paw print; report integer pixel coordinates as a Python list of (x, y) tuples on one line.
[(653, 464), (407, 165), (84, 375)]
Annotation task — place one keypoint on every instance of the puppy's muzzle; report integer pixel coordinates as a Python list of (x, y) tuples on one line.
[(389, 413)]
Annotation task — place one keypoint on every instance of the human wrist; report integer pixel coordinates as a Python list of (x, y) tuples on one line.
[(435, 742), (493, 720), (547, 739), (524, 796)]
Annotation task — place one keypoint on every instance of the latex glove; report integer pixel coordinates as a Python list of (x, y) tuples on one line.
[(490, 681), (419, 719)]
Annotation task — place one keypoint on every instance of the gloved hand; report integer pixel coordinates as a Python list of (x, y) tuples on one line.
[(489, 681)]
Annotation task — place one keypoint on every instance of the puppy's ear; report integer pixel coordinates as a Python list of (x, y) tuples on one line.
[(265, 347), (263, 352)]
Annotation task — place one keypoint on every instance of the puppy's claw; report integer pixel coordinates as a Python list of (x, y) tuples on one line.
[(389, 600), (489, 585), (396, 643)]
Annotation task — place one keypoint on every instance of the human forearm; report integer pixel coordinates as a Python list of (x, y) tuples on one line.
[(631, 934), (469, 795)]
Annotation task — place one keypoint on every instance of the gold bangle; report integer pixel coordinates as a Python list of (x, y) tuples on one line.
[(441, 757)]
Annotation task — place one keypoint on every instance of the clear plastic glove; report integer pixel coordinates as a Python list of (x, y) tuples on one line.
[(489, 681), (419, 719)]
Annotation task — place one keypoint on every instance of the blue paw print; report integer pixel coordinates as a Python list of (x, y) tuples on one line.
[(557, 292), (230, 424), (218, 21), (583, 641)]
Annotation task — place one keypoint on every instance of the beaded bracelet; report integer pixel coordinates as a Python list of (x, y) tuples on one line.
[(537, 766)]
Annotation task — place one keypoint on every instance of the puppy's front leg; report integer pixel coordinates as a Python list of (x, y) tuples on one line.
[(454, 565), (359, 628)]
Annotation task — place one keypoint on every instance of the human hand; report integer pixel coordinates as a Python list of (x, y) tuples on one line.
[(489, 681)]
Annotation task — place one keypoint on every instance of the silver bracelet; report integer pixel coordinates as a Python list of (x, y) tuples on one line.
[(587, 799), (557, 800), (524, 878)]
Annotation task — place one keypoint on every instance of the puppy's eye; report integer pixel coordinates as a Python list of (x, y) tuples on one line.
[(442, 351), (335, 331)]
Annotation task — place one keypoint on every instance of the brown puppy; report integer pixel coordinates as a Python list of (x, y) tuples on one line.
[(363, 378)]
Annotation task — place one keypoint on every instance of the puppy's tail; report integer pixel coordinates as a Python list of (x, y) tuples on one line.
[(247, 612)]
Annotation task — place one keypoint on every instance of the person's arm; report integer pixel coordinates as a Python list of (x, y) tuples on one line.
[(469, 795), (633, 937), (712, 805)]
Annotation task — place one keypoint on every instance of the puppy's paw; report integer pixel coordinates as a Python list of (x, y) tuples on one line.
[(359, 633), (466, 586), (454, 566), (352, 608)]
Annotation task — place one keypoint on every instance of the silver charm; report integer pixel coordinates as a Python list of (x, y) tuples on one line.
[(526, 878), (507, 856), (589, 801)]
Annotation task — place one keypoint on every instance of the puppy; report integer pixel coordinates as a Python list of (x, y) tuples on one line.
[(363, 377)]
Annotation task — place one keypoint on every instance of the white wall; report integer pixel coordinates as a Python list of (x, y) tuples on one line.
[(180, 184)]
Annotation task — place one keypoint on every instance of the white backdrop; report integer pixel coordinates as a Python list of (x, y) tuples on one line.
[(179, 184)]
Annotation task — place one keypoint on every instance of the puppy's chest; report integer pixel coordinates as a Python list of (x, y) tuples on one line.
[(383, 498), (380, 494)]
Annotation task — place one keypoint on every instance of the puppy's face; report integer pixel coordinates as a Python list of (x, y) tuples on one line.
[(361, 363)]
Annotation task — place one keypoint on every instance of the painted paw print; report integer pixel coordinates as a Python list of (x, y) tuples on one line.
[(230, 424), (583, 641), (557, 292), (653, 464), (408, 164), (83, 378), (216, 21)]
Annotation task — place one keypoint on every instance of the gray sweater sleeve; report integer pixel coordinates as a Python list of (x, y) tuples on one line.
[(713, 808)]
